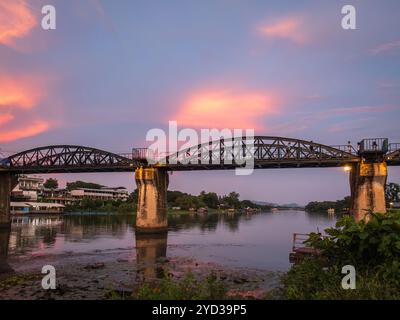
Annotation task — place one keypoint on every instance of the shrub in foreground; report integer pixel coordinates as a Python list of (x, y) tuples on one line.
[(372, 247)]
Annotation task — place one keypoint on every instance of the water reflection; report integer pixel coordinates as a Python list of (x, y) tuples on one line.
[(4, 239), (151, 249), (260, 240)]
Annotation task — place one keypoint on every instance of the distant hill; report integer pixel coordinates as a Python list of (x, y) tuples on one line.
[(291, 205), (271, 204), (263, 203)]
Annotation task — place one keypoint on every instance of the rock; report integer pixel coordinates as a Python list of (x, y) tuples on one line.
[(94, 266)]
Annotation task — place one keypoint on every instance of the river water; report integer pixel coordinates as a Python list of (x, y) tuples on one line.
[(261, 240)]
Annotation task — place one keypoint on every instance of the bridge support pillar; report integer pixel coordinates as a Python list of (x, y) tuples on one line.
[(7, 183), (152, 187), (367, 184)]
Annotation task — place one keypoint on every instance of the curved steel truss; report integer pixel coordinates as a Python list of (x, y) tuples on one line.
[(257, 152), (264, 151), (68, 158)]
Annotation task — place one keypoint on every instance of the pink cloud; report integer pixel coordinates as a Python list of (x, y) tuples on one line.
[(4, 118), (19, 91), (290, 28), (21, 102), (226, 108), (24, 131), (16, 21), (385, 47)]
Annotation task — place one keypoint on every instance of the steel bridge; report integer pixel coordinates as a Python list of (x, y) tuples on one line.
[(266, 152)]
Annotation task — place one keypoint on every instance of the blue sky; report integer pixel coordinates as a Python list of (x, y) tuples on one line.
[(112, 70)]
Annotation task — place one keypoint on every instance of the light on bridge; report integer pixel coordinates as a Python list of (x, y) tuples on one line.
[(347, 168)]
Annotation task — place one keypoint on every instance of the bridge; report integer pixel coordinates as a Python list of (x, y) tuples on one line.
[(367, 162)]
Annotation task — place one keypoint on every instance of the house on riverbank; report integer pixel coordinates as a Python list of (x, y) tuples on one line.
[(24, 208)]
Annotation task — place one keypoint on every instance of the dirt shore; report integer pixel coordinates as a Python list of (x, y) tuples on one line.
[(93, 275)]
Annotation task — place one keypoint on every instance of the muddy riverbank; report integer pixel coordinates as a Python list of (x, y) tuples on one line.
[(94, 275)]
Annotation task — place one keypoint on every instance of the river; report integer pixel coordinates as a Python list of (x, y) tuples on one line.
[(259, 241)]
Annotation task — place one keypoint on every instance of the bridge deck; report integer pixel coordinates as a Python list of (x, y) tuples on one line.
[(267, 153)]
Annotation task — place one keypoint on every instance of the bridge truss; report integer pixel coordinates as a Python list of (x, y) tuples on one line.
[(267, 152), (264, 151), (68, 158)]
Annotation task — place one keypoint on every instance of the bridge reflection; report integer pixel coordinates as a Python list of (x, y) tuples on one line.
[(4, 241), (151, 251)]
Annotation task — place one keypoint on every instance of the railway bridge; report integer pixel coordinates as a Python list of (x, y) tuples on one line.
[(367, 165)]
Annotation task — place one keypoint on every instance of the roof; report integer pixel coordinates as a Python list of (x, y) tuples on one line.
[(36, 204), (102, 189), (19, 204)]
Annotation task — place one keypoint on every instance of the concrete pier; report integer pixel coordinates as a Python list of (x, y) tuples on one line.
[(7, 183), (152, 187), (367, 184)]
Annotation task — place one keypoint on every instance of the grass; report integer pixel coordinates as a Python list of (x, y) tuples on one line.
[(187, 288), (17, 279)]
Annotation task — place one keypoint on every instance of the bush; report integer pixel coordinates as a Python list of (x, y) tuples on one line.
[(363, 244), (311, 280), (188, 288), (372, 247)]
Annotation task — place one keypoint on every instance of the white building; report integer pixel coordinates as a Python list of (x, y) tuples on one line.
[(100, 194), (35, 207), (30, 182), (27, 188)]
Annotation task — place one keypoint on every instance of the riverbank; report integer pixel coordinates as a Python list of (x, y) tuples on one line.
[(100, 256), (115, 274)]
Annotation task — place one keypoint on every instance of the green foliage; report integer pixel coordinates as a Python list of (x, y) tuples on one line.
[(82, 184), (188, 201), (392, 192), (91, 205), (188, 288), (364, 243), (51, 183), (248, 204), (231, 200), (312, 280), (372, 247), (323, 206), (210, 199), (172, 196)]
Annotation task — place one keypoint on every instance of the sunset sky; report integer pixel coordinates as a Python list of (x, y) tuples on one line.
[(112, 70)]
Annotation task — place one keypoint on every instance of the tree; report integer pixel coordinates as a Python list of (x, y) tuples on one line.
[(232, 200), (188, 201), (82, 184), (51, 183), (323, 206), (210, 199), (172, 196)]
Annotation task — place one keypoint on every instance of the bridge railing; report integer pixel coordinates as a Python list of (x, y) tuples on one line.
[(145, 154), (346, 148), (374, 145), (394, 147)]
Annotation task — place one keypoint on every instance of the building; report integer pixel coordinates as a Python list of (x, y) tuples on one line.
[(35, 207), (100, 194), (27, 189), (30, 182), (30, 196)]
